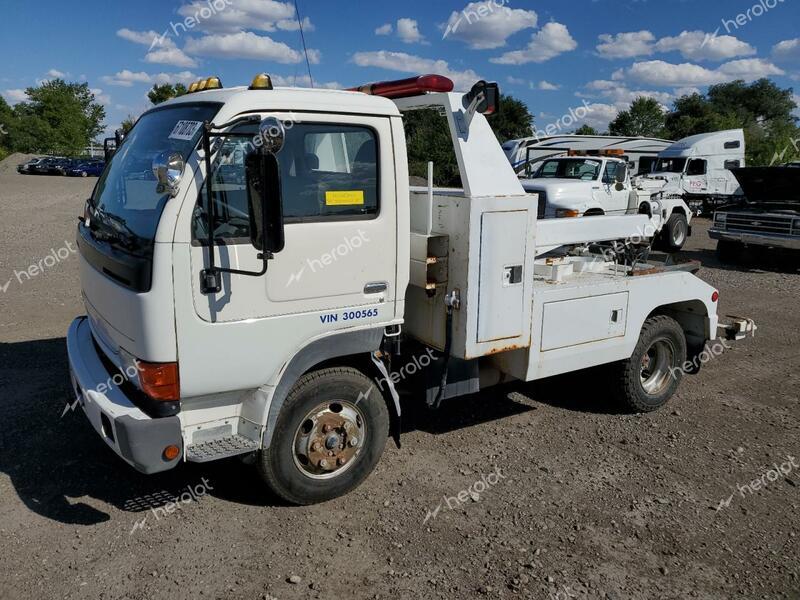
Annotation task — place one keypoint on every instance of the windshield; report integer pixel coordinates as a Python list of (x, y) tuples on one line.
[(578, 168), (670, 165), (126, 203)]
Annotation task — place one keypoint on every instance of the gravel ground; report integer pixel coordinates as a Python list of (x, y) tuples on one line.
[(575, 500)]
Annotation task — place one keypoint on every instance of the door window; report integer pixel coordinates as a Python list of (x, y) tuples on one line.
[(610, 175), (328, 172), (696, 167)]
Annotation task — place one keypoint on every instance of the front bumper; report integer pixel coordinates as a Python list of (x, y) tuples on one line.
[(137, 438), (755, 239)]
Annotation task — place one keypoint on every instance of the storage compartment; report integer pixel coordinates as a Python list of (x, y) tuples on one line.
[(572, 322)]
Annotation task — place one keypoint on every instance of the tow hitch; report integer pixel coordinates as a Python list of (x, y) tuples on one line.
[(738, 328)]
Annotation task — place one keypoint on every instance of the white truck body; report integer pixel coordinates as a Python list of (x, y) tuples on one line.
[(698, 169), (341, 289)]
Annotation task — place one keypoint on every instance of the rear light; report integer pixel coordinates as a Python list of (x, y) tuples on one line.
[(404, 88), (715, 296), (160, 381)]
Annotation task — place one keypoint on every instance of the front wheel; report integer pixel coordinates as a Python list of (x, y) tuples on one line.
[(649, 378), (329, 436), (675, 232)]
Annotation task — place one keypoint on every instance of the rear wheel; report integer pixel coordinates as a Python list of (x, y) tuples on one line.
[(675, 232), (649, 378), (329, 436)]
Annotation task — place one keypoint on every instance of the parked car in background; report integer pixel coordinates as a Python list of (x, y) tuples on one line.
[(25, 168), (768, 215), (47, 166), (87, 169)]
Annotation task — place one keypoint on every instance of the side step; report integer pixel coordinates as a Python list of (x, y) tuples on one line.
[(220, 448)]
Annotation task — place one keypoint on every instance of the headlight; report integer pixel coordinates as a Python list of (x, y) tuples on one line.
[(564, 212), (796, 226), (720, 219)]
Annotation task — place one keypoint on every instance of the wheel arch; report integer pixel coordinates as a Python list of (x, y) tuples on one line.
[(692, 316), (351, 349)]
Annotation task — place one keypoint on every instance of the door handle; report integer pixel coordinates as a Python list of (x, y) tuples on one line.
[(375, 287)]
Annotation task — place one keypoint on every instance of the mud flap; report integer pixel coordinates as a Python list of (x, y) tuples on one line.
[(395, 396)]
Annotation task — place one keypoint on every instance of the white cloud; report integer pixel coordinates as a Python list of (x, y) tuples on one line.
[(170, 56), (621, 95), (145, 38), (660, 73), (550, 41), (516, 80), (698, 45), (304, 81), (408, 31), (626, 45), (546, 86), (100, 96), (787, 50), (408, 63), (55, 73), (386, 29), (488, 24), (127, 78), (246, 44), (263, 15), (14, 96)]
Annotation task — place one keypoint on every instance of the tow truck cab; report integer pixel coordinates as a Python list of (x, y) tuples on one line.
[(273, 321)]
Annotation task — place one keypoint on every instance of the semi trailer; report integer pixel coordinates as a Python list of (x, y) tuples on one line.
[(259, 279)]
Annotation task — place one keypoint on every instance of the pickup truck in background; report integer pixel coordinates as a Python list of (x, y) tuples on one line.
[(596, 185), (768, 215)]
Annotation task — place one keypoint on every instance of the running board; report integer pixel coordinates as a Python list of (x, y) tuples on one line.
[(220, 448)]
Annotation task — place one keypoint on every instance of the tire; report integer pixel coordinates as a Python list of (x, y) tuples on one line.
[(728, 252), (644, 387), (675, 232), (328, 437), (84, 174)]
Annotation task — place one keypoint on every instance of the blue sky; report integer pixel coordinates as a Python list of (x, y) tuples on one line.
[(554, 55)]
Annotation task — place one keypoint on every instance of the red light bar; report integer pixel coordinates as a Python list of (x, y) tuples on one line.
[(404, 88)]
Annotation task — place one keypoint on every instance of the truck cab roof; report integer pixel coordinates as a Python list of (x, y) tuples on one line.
[(239, 100)]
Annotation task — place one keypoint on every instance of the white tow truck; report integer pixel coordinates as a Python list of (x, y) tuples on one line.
[(581, 185), (279, 320)]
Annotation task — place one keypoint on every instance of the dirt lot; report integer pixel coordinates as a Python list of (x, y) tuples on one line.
[(576, 500)]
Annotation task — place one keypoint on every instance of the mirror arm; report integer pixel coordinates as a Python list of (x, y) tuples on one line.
[(209, 278)]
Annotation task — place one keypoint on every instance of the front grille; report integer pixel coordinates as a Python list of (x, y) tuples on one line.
[(770, 224)]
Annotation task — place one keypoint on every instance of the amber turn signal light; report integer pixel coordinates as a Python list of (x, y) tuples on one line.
[(160, 381), (171, 452)]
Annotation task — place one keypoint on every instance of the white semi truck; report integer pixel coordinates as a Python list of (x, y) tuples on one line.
[(698, 170), (259, 280)]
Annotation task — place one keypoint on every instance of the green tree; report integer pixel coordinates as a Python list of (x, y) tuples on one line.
[(167, 91), (645, 118), (7, 127), (127, 124), (761, 108), (586, 130), (428, 138), (57, 117)]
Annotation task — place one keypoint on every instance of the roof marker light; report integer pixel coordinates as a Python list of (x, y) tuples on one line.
[(213, 83), (404, 88), (262, 81), (193, 87)]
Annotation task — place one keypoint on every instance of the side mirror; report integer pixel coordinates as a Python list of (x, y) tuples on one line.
[(272, 135), (109, 148), (485, 97), (264, 195), (168, 169), (621, 176)]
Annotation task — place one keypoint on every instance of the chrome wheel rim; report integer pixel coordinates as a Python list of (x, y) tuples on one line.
[(655, 369), (329, 439), (679, 234)]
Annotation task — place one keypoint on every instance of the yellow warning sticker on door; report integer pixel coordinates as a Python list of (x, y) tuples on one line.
[(349, 198)]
